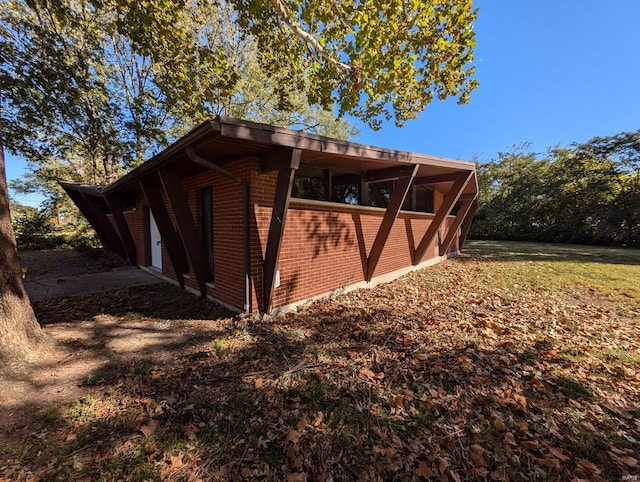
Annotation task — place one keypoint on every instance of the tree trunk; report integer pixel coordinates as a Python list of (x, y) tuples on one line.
[(20, 333)]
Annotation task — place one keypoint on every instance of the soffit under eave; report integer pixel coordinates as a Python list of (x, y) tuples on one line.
[(224, 140)]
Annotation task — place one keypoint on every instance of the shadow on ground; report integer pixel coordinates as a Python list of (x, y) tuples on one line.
[(344, 390)]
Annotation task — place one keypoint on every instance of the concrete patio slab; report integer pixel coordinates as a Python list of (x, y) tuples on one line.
[(45, 287)]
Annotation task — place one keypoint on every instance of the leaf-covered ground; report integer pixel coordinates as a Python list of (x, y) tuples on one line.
[(492, 366)]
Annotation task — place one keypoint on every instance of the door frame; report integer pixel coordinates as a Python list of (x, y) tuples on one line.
[(155, 246)]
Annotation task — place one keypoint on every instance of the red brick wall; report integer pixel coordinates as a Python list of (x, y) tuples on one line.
[(228, 285), (324, 245)]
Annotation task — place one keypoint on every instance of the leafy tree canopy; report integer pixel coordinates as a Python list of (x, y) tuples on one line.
[(91, 89), (377, 60), (587, 193)]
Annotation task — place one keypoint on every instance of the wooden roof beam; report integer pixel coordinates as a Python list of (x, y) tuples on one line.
[(191, 154), (288, 161), (279, 159), (389, 173), (438, 178), (153, 194), (449, 201), (343, 179), (395, 203), (470, 196)]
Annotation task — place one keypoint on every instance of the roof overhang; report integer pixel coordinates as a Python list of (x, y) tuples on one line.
[(224, 140)]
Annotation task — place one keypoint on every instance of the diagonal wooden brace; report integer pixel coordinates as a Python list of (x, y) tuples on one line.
[(152, 192), (466, 224), (449, 200), (88, 206), (117, 211), (177, 199), (288, 163), (395, 203), (453, 229)]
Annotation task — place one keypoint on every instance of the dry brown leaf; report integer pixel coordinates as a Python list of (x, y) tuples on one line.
[(559, 453), (175, 463), (302, 423), (590, 466), (510, 439), (476, 455), (454, 476), (297, 477), (443, 465), (259, 382), (367, 374), (499, 425), (499, 474), (294, 436), (148, 428), (424, 470), (552, 463), (317, 421)]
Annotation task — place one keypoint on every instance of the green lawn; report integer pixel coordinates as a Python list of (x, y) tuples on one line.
[(612, 272)]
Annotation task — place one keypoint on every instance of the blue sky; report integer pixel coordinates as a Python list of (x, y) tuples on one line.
[(551, 73)]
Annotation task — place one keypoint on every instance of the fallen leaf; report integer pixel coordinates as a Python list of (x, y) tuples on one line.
[(317, 421), (148, 428), (175, 463), (499, 425), (590, 466), (510, 439), (454, 476), (424, 470), (559, 453), (294, 436), (476, 454), (499, 474), (297, 477)]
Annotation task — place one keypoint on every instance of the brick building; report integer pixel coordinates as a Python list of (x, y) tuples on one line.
[(261, 218)]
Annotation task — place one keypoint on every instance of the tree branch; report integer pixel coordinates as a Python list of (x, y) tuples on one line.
[(309, 39)]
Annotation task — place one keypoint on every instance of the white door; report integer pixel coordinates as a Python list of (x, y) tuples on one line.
[(156, 243)]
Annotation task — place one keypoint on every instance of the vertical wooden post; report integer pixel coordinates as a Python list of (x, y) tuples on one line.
[(363, 192), (286, 173), (327, 181), (402, 186)]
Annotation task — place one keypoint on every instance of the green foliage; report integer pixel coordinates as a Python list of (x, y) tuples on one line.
[(588, 193), (377, 60), (34, 229), (91, 89), (44, 229)]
